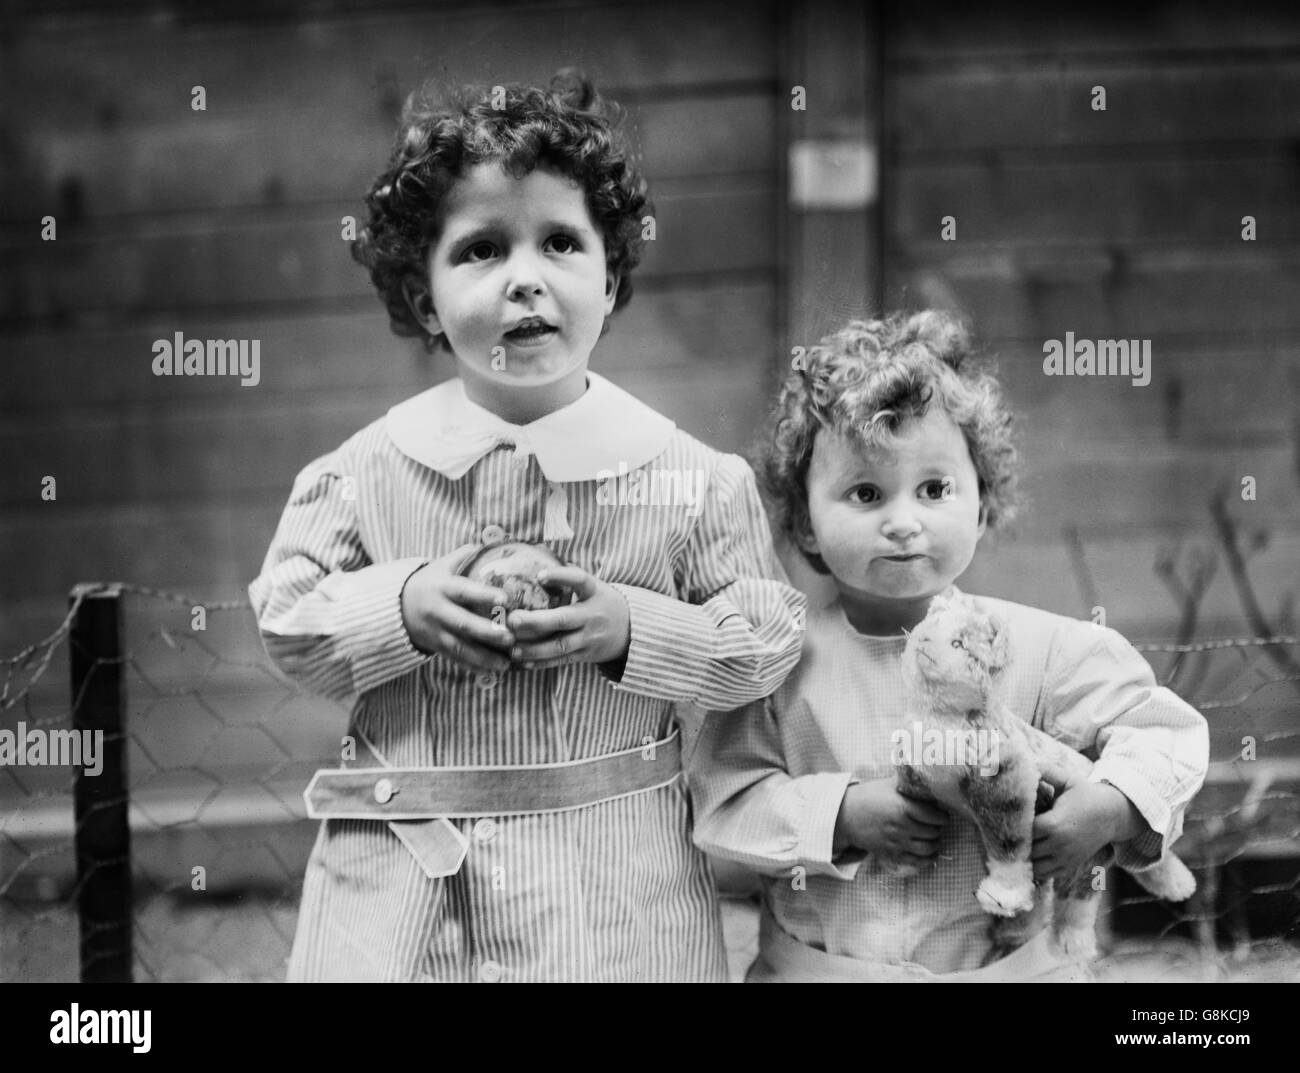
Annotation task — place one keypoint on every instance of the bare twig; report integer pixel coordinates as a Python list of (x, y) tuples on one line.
[(1227, 530), (1188, 597)]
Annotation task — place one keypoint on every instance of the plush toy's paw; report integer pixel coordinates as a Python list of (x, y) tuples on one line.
[(1171, 879), (1076, 942), (1005, 893), (1010, 933)]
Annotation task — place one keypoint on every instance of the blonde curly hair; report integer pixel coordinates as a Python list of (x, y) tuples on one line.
[(865, 381)]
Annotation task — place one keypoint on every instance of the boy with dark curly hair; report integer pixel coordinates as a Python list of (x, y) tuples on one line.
[(510, 805), (889, 456)]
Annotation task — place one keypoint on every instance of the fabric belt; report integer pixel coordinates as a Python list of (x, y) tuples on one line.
[(372, 791), (783, 958)]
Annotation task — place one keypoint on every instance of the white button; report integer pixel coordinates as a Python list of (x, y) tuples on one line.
[(493, 534), (489, 972), (485, 829), (487, 680), (384, 791)]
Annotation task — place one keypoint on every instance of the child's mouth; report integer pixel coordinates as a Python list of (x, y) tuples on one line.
[(531, 332), (903, 558)]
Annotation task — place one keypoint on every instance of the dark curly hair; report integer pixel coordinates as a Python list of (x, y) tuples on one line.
[(864, 382), (442, 134)]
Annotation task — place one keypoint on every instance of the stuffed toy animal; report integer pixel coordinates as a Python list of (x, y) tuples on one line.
[(513, 567), (950, 667)]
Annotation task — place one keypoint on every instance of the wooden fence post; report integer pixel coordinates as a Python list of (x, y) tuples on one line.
[(103, 834)]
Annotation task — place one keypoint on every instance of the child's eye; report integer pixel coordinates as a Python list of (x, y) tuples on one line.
[(938, 490), (480, 251), (563, 244), (864, 493)]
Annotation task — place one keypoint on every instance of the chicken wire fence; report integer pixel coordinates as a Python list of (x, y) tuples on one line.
[(181, 857)]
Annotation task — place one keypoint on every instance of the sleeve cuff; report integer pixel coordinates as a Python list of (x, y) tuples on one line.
[(371, 619), (667, 652), (710, 654), (824, 796), (1148, 847)]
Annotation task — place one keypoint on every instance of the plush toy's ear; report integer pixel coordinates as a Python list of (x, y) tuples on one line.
[(999, 646)]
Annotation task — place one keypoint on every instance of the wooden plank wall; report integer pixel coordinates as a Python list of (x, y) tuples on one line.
[(226, 223), (1123, 223)]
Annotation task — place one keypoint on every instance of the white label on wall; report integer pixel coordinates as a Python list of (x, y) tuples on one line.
[(841, 174)]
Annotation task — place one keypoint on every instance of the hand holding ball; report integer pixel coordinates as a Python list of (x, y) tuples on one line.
[(574, 617), (514, 568)]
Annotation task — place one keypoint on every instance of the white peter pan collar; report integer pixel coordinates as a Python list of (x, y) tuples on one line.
[(442, 429)]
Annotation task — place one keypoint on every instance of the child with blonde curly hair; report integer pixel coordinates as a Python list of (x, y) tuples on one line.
[(511, 806), (889, 456)]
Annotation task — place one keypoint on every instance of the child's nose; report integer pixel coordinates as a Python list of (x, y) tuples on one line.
[(523, 278), (900, 522)]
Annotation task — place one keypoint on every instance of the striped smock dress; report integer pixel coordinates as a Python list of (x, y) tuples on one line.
[(609, 891)]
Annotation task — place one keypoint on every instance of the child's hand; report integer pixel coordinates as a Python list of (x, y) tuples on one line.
[(596, 629), (446, 615), (875, 817), (1084, 817)]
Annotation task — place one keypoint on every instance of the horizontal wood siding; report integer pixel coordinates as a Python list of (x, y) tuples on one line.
[(1116, 224), (226, 223)]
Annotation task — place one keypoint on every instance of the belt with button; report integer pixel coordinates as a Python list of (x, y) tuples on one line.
[(409, 793)]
